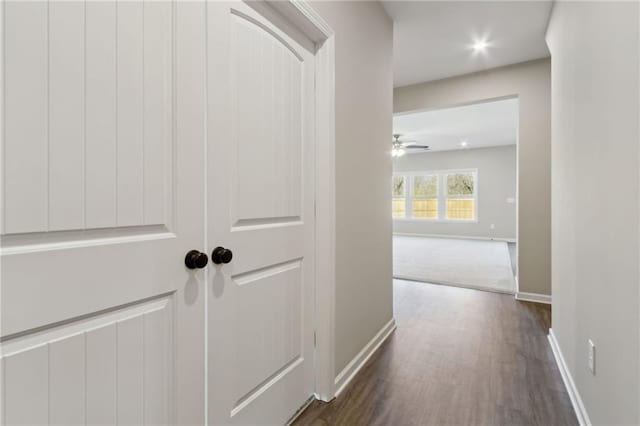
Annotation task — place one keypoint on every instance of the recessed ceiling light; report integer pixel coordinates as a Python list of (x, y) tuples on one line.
[(480, 45), (463, 144)]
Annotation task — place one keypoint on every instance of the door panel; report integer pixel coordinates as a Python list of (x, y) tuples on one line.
[(261, 192), (266, 108), (104, 110), (273, 295), (25, 189), (125, 122), (118, 360)]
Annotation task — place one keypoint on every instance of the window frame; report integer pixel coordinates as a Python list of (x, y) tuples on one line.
[(446, 195), (441, 196), (409, 195)]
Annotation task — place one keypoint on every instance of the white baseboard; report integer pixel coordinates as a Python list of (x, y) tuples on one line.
[(574, 395), (533, 297), (459, 237), (349, 372)]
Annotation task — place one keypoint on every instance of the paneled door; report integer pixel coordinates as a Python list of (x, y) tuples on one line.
[(261, 215), (102, 197)]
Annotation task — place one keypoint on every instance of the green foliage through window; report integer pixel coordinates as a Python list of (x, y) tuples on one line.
[(460, 184), (426, 186), (398, 186)]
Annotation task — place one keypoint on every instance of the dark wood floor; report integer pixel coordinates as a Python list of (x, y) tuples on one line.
[(458, 357)]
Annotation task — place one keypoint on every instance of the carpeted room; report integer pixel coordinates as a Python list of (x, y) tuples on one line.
[(479, 264), (455, 202)]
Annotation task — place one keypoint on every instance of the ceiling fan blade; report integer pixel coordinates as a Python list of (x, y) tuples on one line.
[(417, 146)]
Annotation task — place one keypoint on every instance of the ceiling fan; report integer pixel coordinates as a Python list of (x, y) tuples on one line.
[(398, 148)]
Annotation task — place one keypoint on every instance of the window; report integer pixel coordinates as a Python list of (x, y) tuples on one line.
[(461, 196), (424, 203), (398, 193), (449, 195)]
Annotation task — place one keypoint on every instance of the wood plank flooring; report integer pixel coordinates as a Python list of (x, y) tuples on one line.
[(458, 357)]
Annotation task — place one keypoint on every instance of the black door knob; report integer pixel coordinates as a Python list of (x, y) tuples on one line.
[(196, 260), (221, 255)]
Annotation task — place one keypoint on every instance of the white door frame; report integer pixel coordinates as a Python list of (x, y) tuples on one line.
[(302, 15)]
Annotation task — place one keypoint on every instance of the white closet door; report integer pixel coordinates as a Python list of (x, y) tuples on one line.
[(261, 208), (102, 197)]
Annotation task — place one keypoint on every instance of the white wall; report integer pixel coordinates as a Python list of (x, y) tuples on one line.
[(595, 161), (530, 81), (364, 99), (496, 182)]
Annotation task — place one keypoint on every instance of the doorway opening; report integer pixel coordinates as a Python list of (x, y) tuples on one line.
[(454, 195)]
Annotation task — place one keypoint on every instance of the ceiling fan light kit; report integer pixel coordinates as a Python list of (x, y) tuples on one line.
[(398, 148), (397, 152)]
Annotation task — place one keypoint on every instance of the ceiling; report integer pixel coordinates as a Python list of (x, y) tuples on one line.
[(480, 125), (433, 39)]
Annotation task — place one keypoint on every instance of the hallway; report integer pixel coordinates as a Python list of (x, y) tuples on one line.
[(458, 356)]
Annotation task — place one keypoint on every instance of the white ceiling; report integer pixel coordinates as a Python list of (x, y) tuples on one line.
[(432, 39), (481, 125)]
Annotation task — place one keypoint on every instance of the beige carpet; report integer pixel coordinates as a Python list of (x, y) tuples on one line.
[(480, 264)]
